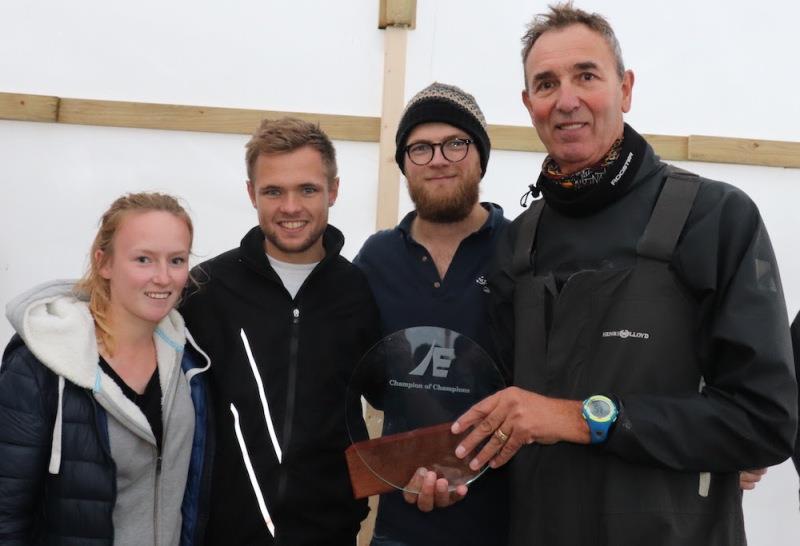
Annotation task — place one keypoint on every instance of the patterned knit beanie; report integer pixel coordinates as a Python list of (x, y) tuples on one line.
[(449, 104)]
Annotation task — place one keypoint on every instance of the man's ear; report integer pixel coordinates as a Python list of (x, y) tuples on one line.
[(526, 100), (251, 191), (333, 191), (627, 90)]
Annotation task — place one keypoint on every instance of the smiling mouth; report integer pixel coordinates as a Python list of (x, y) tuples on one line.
[(440, 177), (158, 295), (570, 126), (292, 224)]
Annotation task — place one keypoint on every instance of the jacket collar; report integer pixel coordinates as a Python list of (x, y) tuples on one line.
[(650, 164), (252, 252), (493, 221)]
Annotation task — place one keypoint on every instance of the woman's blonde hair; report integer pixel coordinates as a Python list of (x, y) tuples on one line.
[(93, 286)]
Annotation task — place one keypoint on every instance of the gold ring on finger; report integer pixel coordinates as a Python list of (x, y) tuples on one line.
[(500, 435)]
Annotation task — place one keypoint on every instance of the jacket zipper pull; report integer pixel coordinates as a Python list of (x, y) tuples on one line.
[(295, 315)]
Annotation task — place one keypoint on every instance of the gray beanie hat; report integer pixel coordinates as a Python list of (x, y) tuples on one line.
[(447, 104)]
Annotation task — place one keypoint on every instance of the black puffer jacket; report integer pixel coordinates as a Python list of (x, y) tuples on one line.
[(279, 370), (61, 428), (73, 507)]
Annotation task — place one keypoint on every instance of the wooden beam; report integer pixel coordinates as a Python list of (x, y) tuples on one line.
[(744, 151), (205, 119), (398, 13), (396, 17), (525, 139), (388, 206), (41, 108), (516, 138), (671, 148), (394, 77), (15, 106)]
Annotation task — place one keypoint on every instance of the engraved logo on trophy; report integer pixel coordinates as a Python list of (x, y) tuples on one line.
[(440, 357)]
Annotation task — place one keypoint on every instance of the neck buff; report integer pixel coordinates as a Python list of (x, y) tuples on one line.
[(595, 187)]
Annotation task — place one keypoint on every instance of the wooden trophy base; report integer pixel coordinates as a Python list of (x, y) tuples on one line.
[(388, 463)]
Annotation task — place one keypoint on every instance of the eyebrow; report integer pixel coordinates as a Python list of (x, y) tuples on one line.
[(543, 75), (290, 187), (586, 65), (150, 251), (443, 139), (548, 74)]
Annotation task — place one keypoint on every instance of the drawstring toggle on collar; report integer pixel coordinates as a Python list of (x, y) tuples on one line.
[(533, 191)]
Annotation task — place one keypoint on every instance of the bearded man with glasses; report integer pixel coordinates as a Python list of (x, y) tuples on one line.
[(430, 271)]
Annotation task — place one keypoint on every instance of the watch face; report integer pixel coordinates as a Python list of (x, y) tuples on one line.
[(599, 409)]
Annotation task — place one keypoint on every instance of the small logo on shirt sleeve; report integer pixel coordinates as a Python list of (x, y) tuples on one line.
[(483, 283)]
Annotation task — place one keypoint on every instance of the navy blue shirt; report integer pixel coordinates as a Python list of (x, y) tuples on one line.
[(409, 292)]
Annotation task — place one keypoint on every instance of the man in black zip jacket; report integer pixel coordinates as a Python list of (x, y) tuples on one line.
[(643, 311), (284, 319)]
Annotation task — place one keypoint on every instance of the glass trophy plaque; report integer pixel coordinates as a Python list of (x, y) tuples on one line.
[(422, 379)]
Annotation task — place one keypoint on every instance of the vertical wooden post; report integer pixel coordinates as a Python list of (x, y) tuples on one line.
[(394, 75), (396, 17)]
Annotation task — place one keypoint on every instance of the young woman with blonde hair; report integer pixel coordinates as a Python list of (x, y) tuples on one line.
[(102, 398)]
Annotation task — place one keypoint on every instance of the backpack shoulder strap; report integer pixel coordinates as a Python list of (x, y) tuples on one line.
[(669, 215), (526, 236)]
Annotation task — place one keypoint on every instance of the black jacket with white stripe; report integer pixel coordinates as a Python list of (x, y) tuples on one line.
[(280, 368)]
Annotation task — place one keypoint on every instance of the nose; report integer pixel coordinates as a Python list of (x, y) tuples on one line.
[(438, 157), (568, 100), (290, 203), (161, 274)]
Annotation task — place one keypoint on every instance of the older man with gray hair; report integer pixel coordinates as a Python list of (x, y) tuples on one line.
[(643, 312)]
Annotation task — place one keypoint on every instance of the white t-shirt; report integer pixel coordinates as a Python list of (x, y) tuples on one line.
[(292, 275)]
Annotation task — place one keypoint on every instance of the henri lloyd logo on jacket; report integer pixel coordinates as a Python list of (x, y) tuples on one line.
[(626, 334)]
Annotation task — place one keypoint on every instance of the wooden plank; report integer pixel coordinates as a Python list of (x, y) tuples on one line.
[(205, 119), (525, 139), (671, 148), (393, 102), (512, 137), (402, 13), (394, 75), (22, 107), (374, 420), (771, 153), (41, 108)]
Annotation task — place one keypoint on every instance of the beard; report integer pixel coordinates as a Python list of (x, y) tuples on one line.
[(289, 246), (446, 206)]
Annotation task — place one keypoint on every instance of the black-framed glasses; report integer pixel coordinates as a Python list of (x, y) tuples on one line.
[(453, 149)]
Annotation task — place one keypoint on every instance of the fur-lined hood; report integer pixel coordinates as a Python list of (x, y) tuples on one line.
[(57, 327)]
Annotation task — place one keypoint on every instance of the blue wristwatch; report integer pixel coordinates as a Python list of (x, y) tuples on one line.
[(600, 412)]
